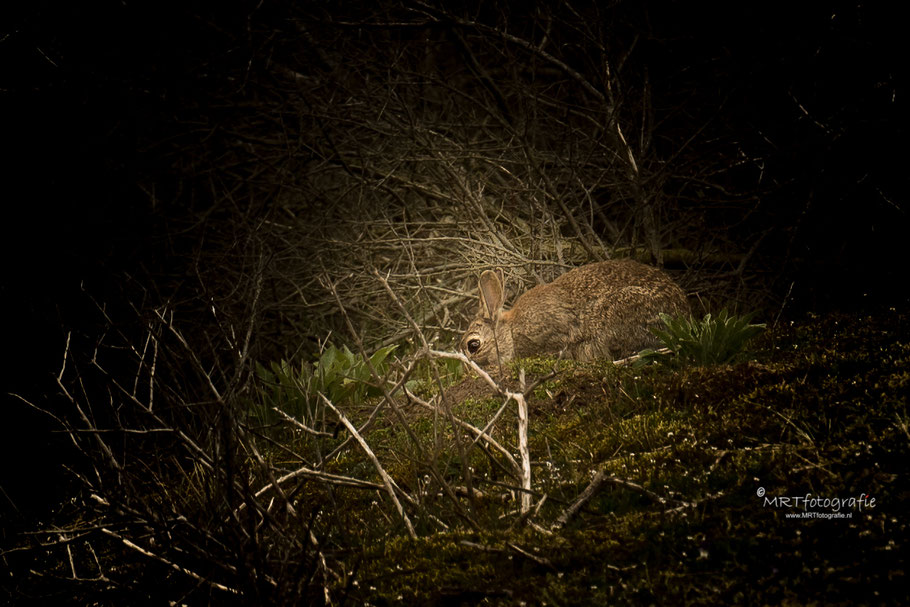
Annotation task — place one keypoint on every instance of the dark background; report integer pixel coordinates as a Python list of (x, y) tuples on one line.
[(118, 116)]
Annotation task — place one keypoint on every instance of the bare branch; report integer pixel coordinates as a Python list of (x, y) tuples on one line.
[(389, 484)]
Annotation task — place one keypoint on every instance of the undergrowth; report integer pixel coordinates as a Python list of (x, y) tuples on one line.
[(775, 478), (818, 410)]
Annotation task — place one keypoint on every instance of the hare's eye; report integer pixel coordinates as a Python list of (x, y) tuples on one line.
[(473, 345)]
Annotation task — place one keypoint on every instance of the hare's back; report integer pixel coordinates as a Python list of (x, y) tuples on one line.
[(597, 286), (613, 274)]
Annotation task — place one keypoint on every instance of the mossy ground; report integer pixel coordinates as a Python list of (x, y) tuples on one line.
[(819, 408)]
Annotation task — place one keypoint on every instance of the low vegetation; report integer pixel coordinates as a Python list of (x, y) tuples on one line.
[(690, 467), (712, 340), (776, 478)]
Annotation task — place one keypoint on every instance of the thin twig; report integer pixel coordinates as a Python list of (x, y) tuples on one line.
[(390, 485), (170, 564)]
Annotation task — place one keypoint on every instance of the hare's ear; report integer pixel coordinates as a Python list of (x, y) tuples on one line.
[(491, 294)]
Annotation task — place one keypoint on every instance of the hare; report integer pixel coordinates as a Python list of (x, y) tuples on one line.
[(601, 310)]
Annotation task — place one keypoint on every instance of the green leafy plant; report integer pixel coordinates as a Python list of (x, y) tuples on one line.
[(283, 386), (338, 373), (345, 377), (712, 340)]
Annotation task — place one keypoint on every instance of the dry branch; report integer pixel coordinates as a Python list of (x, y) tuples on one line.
[(599, 479), (387, 481), (145, 552)]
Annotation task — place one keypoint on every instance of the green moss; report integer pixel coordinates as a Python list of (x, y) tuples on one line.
[(820, 409)]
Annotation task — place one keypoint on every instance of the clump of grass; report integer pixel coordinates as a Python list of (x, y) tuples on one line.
[(710, 341)]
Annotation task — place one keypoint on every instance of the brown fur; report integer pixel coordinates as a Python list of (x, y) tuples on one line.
[(601, 310)]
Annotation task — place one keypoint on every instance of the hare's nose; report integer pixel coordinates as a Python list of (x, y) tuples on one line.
[(473, 345)]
